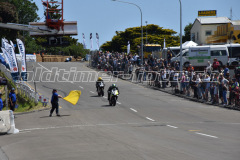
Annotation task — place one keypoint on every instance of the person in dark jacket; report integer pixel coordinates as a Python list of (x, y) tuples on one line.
[(1, 102), (54, 102), (12, 99)]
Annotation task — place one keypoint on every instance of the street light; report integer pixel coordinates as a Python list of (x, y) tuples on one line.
[(181, 65), (146, 31), (141, 24)]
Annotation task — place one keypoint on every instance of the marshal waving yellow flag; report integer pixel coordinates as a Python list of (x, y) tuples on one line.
[(73, 97)]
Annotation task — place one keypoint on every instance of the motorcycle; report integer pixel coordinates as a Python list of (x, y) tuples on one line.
[(113, 97), (100, 89)]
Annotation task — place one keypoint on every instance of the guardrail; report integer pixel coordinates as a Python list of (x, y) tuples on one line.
[(22, 87)]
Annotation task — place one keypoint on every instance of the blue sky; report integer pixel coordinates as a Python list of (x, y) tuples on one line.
[(105, 16)]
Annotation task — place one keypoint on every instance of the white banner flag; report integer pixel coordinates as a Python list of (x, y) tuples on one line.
[(164, 43), (97, 39), (128, 47), (91, 41), (21, 49), (84, 41), (10, 50), (12, 45), (5, 45), (7, 58)]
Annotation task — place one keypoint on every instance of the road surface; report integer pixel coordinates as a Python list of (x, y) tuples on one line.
[(146, 124)]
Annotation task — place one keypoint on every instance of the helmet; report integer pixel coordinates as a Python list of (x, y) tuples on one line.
[(113, 85), (100, 78)]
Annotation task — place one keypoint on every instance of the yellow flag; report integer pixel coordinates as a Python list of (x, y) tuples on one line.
[(73, 97)]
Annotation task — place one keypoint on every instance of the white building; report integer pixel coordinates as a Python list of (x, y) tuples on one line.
[(206, 26)]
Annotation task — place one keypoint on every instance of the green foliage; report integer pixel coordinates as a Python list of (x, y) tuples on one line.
[(155, 35), (187, 32), (17, 11)]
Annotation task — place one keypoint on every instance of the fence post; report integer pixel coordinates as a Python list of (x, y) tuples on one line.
[(6, 93)]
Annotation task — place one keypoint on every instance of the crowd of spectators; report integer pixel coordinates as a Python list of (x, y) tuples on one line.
[(213, 84)]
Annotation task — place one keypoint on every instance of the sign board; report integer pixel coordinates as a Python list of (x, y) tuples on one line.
[(207, 13), (70, 28)]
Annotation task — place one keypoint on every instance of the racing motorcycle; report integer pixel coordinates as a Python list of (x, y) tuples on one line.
[(113, 97), (100, 89)]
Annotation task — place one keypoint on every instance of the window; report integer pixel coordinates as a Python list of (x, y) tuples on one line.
[(208, 33), (193, 37), (219, 53), (185, 54), (234, 52)]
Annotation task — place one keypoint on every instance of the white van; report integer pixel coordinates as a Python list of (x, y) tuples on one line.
[(200, 55), (174, 50), (234, 54)]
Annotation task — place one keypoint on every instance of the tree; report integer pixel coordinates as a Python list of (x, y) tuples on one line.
[(7, 14), (17, 11), (155, 35), (187, 32)]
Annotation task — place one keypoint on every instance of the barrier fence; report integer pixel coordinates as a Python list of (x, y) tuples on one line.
[(22, 87)]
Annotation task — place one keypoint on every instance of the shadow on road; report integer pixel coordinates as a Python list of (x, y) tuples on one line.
[(56, 116), (106, 106), (95, 96)]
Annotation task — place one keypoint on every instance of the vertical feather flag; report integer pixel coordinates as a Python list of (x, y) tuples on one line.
[(84, 41), (21, 49), (128, 47), (91, 41), (97, 39)]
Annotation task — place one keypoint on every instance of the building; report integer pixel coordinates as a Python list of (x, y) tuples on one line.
[(203, 27)]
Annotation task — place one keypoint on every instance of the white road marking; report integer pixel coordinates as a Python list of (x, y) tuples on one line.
[(206, 135), (104, 97), (24, 131), (81, 87), (133, 110), (92, 92), (44, 67), (118, 103), (150, 119), (172, 126), (82, 125)]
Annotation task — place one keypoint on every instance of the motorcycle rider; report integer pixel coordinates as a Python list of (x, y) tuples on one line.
[(98, 82), (113, 86)]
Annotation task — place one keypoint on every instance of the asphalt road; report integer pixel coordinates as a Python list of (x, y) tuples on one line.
[(145, 125)]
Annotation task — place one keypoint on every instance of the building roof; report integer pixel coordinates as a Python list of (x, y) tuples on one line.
[(213, 20), (236, 25)]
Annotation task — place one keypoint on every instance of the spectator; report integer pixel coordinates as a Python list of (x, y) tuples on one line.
[(183, 79), (224, 84), (169, 56), (234, 86), (12, 99), (209, 68), (215, 65), (226, 72), (237, 73), (215, 89), (207, 86), (1, 102), (190, 68)]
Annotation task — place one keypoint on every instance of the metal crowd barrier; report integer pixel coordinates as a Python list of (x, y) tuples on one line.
[(22, 87)]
